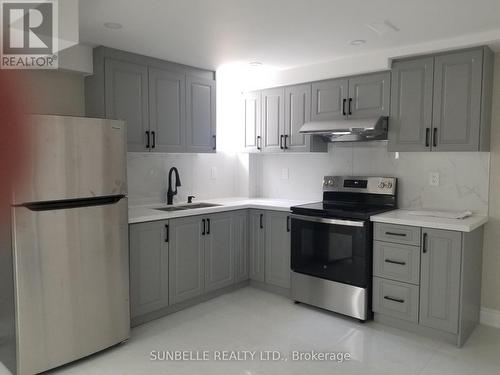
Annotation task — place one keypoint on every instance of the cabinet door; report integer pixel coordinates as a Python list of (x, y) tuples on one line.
[(256, 245), (457, 101), (186, 259), (219, 254), (440, 279), (252, 119), (369, 95), (329, 100), (277, 268), (410, 121), (273, 119), (148, 267), (200, 102), (240, 245), (126, 87), (297, 113), (167, 110)]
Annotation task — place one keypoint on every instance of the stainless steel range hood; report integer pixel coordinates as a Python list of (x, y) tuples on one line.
[(355, 130)]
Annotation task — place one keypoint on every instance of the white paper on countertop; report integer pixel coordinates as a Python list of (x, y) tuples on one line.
[(443, 214)]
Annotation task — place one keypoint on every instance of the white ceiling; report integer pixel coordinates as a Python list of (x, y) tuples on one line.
[(280, 33)]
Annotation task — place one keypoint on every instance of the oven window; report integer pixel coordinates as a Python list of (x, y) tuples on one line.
[(334, 252)]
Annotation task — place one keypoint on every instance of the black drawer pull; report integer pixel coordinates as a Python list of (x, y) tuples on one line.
[(395, 234), (167, 234), (204, 228), (394, 299), (395, 262), (261, 224)]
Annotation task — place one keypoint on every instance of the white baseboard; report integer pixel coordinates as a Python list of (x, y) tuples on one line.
[(490, 317)]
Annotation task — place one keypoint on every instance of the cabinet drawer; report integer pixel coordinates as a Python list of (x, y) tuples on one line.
[(397, 233), (396, 299), (396, 262)]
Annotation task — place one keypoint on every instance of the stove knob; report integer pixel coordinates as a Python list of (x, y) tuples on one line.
[(381, 185), (389, 185), (331, 183)]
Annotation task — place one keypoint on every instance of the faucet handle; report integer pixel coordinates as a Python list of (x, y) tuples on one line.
[(190, 198)]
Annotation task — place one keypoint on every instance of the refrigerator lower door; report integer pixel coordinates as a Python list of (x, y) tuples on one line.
[(71, 269), (72, 158)]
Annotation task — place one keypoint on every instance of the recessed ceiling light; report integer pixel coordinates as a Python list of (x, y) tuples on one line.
[(113, 25), (255, 63), (358, 42)]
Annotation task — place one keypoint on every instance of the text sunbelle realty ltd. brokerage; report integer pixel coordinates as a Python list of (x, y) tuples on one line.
[(246, 355)]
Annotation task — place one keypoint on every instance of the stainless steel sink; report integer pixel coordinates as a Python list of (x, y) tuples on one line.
[(187, 206)]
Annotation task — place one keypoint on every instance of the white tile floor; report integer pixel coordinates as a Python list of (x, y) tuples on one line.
[(250, 319)]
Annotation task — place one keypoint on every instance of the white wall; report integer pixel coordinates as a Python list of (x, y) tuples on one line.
[(463, 176)]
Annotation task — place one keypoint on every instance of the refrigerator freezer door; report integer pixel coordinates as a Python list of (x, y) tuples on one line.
[(71, 158), (71, 269)]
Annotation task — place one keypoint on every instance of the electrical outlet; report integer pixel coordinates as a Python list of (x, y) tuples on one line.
[(284, 173), (434, 179), (213, 173)]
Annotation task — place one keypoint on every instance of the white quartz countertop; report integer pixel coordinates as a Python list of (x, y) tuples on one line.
[(143, 213), (403, 217)]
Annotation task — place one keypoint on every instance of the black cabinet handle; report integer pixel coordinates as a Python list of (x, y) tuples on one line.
[(167, 234), (259, 142), (281, 141), (147, 138), (261, 221), (434, 138), (343, 106), (203, 231), (424, 243), (427, 134), (395, 262), (394, 299), (154, 139), (208, 226), (215, 142), (288, 223), (395, 234), (286, 147), (350, 105)]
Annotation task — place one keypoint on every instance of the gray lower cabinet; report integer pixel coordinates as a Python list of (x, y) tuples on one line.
[(148, 267), (411, 105), (252, 121), (256, 232), (277, 249), (442, 102), (273, 119), (126, 98), (219, 251), (186, 259), (431, 286), (200, 117), (240, 241), (167, 111), (440, 279)]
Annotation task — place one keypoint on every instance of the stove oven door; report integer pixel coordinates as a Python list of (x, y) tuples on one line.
[(334, 249)]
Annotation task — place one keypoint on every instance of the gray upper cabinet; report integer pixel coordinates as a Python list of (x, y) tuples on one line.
[(369, 95), (411, 108), (148, 267), (167, 107), (167, 110), (273, 121), (457, 101), (186, 259), (219, 251), (200, 104), (297, 112), (277, 245), (256, 245), (440, 279), (127, 99), (240, 245), (442, 103), (329, 100), (252, 121)]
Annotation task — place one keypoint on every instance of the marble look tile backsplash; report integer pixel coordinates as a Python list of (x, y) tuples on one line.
[(464, 176)]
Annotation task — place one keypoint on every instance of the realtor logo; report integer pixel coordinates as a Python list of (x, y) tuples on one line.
[(29, 34)]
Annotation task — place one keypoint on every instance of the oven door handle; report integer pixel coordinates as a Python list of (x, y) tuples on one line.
[(322, 220)]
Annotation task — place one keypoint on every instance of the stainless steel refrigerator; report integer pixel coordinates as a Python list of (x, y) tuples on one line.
[(69, 240)]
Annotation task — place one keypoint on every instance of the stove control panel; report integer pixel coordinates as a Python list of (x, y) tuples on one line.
[(368, 185)]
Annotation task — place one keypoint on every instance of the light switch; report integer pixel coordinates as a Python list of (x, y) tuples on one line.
[(434, 179), (213, 173), (284, 173)]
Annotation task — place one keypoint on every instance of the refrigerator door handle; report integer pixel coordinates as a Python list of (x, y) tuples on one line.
[(71, 203)]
